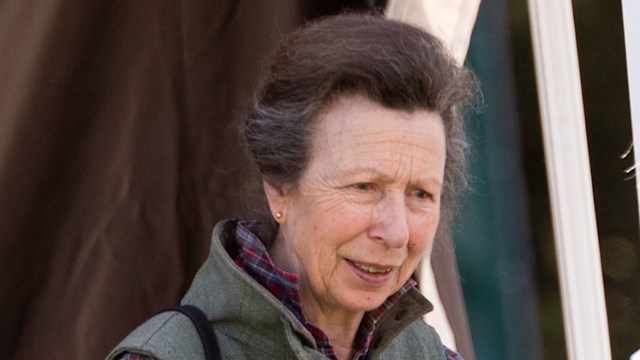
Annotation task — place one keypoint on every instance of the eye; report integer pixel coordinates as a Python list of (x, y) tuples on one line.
[(421, 194), (363, 186)]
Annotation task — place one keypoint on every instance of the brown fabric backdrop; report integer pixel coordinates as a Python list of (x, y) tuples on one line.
[(118, 153)]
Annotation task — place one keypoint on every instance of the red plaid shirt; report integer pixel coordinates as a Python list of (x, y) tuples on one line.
[(254, 259)]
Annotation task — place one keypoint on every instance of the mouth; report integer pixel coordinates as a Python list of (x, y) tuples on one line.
[(372, 269)]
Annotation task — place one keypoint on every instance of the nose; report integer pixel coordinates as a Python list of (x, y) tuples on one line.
[(390, 221)]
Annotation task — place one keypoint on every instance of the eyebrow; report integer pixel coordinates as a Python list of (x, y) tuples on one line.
[(357, 170)]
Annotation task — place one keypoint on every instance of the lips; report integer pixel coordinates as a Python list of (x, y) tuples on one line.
[(371, 269)]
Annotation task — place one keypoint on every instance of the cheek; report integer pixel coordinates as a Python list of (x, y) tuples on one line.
[(423, 237), (345, 222), (417, 250), (333, 235)]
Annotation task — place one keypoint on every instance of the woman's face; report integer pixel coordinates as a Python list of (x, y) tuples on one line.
[(367, 206)]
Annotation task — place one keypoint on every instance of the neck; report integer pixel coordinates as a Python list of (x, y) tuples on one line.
[(339, 325), (282, 256)]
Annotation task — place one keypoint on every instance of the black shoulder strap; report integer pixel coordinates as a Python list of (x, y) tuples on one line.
[(205, 330)]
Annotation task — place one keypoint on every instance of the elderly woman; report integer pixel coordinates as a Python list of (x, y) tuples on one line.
[(356, 132)]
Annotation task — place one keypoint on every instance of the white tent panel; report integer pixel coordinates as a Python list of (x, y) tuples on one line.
[(450, 20)]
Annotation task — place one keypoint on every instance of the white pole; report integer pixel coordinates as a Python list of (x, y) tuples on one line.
[(565, 141), (631, 14)]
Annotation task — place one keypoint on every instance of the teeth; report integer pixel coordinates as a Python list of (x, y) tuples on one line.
[(371, 269)]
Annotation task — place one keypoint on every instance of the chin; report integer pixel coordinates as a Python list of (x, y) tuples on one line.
[(363, 301)]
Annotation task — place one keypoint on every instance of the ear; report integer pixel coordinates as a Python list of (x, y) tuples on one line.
[(277, 199)]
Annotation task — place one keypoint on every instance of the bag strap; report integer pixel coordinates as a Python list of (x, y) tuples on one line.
[(205, 330)]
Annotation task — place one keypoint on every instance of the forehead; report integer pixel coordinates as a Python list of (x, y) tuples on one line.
[(355, 131), (353, 116)]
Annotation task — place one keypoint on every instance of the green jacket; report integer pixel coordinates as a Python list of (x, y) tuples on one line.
[(250, 323)]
